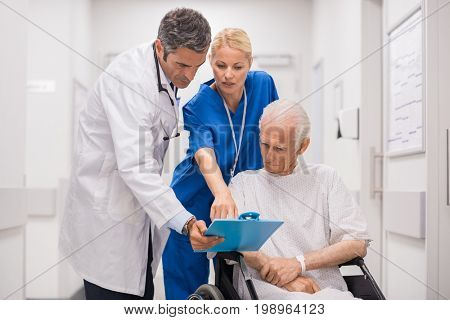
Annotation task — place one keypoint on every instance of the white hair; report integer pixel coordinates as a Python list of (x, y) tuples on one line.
[(284, 111)]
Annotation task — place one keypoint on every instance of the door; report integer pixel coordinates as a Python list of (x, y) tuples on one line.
[(443, 150), (370, 129)]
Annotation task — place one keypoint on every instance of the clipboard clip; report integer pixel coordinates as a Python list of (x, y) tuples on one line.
[(249, 216)]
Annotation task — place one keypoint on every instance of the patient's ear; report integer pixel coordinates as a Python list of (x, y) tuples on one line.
[(304, 146)]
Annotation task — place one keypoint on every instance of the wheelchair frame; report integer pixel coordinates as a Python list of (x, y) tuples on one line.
[(361, 286)]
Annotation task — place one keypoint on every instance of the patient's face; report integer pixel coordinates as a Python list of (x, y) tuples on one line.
[(278, 148)]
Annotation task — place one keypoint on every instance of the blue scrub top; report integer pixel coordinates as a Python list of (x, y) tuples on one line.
[(206, 120)]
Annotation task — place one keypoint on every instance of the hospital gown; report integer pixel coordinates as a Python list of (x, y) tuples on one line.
[(317, 210)]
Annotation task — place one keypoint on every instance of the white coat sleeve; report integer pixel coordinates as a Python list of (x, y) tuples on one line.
[(130, 113)]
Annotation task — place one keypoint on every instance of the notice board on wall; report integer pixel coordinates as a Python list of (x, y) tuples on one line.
[(405, 116)]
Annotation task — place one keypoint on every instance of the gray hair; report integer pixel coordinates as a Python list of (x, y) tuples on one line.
[(284, 111), (184, 28)]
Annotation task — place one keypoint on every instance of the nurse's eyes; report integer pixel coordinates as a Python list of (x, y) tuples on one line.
[(223, 67)]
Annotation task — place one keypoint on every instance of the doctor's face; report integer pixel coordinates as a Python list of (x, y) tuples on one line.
[(181, 65), (230, 68), (278, 148)]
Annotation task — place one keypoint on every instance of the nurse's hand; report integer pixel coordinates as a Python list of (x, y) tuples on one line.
[(223, 206), (198, 240)]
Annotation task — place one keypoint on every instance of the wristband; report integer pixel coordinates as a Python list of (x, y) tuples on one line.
[(301, 259)]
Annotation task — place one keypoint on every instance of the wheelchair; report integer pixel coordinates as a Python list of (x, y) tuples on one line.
[(361, 286)]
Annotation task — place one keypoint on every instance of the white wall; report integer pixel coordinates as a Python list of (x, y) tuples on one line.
[(49, 134), (48, 113), (13, 46), (337, 43)]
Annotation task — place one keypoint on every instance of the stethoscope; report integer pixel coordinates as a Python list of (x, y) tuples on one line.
[(236, 146), (162, 89)]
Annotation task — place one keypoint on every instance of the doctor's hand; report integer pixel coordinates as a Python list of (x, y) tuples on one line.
[(280, 271), (197, 239), (223, 206), (302, 284)]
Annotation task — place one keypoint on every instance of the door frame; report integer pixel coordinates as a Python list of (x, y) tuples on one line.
[(371, 128)]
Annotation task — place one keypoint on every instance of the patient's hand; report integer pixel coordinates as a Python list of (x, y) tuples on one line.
[(302, 284), (255, 259), (223, 206), (280, 271)]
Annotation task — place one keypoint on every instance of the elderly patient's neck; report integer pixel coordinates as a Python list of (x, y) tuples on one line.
[(285, 172)]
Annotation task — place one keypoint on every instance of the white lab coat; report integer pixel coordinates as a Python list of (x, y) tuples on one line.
[(116, 192)]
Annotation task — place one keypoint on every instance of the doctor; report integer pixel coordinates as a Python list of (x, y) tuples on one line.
[(222, 120), (118, 210)]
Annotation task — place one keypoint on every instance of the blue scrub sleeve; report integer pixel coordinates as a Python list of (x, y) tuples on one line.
[(200, 135), (274, 92)]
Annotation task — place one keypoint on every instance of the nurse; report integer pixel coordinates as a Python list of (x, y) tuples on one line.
[(222, 120)]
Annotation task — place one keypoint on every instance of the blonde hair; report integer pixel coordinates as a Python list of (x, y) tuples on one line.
[(234, 38)]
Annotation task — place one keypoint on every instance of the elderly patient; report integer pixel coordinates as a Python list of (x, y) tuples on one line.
[(323, 225)]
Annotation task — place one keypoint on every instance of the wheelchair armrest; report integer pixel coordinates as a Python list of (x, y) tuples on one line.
[(232, 255), (358, 261)]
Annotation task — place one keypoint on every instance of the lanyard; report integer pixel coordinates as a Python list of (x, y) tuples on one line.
[(237, 148)]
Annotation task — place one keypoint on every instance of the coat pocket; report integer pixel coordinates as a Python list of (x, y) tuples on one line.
[(103, 185), (122, 204)]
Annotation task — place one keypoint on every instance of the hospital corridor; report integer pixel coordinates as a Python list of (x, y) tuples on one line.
[(150, 148)]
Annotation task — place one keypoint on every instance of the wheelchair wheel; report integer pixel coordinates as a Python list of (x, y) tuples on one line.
[(207, 292)]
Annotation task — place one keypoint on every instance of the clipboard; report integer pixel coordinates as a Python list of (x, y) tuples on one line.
[(247, 233)]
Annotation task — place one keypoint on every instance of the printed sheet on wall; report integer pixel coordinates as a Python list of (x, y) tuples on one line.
[(405, 131)]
